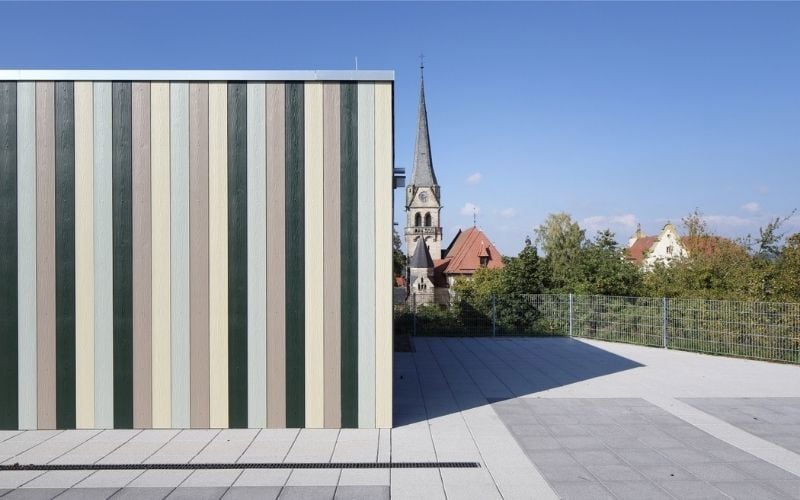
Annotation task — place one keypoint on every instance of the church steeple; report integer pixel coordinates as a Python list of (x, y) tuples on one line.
[(423, 174)]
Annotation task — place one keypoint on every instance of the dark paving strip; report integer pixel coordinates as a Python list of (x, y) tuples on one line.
[(589, 448), (204, 466), (776, 420)]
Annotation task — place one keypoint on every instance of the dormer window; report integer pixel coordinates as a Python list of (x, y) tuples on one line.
[(669, 250), (484, 260)]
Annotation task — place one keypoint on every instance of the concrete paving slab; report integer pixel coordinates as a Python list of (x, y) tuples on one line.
[(183, 493), (88, 494), (581, 490), (270, 445), (691, 490), (110, 478), (33, 494), (57, 479), (314, 477), (160, 479), (52, 448), (636, 490), (210, 478), (263, 477), (252, 493), (365, 477), (307, 493), (15, 478), (183, 447), (142, 493), (227, 446), (313, 445), (362, 493), (23, 441), (749, 490), (97, 447), (414, 484), (140, 447)]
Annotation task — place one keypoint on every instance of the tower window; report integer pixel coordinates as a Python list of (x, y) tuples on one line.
[(418, 220), (427, 220)]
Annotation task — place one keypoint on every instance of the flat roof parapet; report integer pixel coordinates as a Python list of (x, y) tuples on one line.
[(194, 75)]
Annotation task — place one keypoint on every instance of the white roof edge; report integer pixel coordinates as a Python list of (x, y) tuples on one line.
[(195, 75)]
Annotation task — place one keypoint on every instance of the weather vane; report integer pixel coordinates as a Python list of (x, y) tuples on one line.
[(474, 217)]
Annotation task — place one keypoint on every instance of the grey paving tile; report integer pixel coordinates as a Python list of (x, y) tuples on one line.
[(581, 443), (790, 487), (763, 470), (717, 472), (33, 493), (643, 457), (615, 473), (601, 430), (362, 493), (192, 493), (307, 493), (364, 477), (142, 493), (565, 473), (687, 456), (636, 490), (252, 493), (731, 454), (622, 442), (568, 430), (595, 457), (110, 479), (669, 472), (88, 494), (748, 490), (692, 490), (551, 457), (581, 491), (535, 443), (524, 430)]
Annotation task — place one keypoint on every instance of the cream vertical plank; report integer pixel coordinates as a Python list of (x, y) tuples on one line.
[(103, 260), (84, 255), (384, 165), (332, 249), (276, 250), (161, 243), (366, 255), (256, 255), (218, 252), (314, 257), (26, 265), (179, 258)]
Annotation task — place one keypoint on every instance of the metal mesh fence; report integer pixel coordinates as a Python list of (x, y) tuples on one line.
[(755, 330)]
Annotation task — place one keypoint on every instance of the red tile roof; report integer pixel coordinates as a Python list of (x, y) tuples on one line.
[(637, 252), (464, 253)]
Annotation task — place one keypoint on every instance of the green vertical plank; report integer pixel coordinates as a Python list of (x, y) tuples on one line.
[(65, 254), (121, 171), (295, 256), (237, 255), (349, 254), (9, 363)]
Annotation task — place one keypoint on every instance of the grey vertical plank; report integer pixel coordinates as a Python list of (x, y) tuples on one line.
[(366, 254), (103, 260), (256, 256), (332, 248), (179, 276), (276, 262), (26, 217), (198, 232), (142, 259)]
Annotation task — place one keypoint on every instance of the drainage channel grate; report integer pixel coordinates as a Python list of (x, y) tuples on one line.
[(301, 465)]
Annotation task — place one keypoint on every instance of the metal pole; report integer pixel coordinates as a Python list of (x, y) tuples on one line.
[(494, 317), (664, 322), (570, 315), (414, 306)]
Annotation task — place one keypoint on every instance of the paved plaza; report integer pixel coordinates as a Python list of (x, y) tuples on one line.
[(542, 418)]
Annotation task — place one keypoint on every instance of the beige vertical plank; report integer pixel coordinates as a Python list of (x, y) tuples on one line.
[(332, 287), (142, 258), (198, 255), (45, 255), (218, 253), (84, 255), (160, 206), (276, 248), (384, 162), (314, 257)]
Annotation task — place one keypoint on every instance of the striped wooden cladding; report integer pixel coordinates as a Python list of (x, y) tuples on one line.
[(201, 254)]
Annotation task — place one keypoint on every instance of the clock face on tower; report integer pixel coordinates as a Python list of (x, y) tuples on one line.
[(423, 197)]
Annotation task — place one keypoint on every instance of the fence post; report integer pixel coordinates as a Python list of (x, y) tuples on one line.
[(494, 316), (570, 315), (664, 322), (414, 307)]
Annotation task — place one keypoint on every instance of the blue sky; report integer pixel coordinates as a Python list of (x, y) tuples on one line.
[(617, 113)]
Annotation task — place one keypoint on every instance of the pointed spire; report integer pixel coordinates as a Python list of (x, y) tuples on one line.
[(422, 256), (423, 163)]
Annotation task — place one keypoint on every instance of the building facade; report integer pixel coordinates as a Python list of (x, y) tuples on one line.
[(187, 249), (647, 251)]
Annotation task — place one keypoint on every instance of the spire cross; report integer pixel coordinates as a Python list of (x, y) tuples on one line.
[(422, 65), (474, 217)]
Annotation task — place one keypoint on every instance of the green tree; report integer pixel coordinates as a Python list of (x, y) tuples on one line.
[(561, 239), (399, 259), (786, 285)]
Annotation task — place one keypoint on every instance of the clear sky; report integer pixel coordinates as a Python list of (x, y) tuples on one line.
[(616, 113)]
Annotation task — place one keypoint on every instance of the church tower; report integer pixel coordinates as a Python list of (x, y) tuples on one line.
[(423, 197)]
